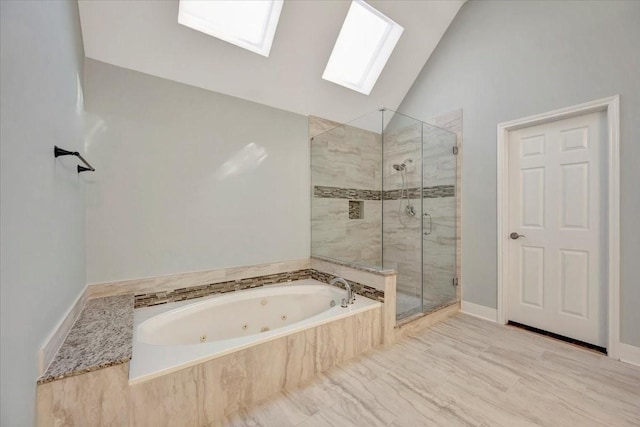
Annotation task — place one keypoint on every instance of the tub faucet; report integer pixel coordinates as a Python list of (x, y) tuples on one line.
[(350, 296)]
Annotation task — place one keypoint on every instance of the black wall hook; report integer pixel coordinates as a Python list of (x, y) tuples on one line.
[(57, 152)]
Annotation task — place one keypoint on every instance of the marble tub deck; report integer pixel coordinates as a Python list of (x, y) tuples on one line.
[(462, 372)]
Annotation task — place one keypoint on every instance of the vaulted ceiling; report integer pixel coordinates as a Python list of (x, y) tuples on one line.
[(145, 36)]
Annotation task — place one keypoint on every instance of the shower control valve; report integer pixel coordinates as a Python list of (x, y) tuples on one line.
[(410, 210)]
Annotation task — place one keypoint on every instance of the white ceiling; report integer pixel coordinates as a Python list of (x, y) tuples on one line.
[(145, 36)]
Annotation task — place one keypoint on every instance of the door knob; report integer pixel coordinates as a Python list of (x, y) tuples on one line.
[(515, 236)]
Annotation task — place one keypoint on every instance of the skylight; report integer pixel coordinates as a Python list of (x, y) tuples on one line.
[(364, 46), (250, 24)]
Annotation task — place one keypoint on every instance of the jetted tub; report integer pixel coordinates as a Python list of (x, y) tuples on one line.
[(174, 336)]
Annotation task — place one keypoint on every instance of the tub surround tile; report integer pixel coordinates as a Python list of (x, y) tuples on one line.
[(358, 288), (300, 364), (207, 393), (197, 278), (383, 281), (336, 341), (389, 309), (368, 329), (101, 337), (263, 385), (183, 294), (98, 398), (357, 273), (183, 395)]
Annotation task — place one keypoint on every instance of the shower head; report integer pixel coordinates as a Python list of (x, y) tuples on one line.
[(402, 166)]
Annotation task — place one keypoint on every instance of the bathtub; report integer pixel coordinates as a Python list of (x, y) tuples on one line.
[(175, 336)]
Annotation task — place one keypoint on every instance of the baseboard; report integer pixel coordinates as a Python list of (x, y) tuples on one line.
[(478, 310), (52, 343), (629, 354)]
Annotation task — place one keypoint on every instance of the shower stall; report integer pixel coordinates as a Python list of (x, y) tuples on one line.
[(383, 196)]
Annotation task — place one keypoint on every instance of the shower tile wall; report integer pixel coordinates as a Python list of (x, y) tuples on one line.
[(345, 158)]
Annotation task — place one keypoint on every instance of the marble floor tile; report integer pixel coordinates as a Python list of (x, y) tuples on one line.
[(462, 372), (269, 415)]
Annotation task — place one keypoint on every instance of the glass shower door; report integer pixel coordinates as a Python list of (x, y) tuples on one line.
[(439, 218), (402, 208)]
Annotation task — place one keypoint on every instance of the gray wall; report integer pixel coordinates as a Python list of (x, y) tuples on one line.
[(42, 199), (189, 179), (508, 59)]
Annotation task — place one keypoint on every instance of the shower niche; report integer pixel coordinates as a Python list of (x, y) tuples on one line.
[(402, 172), (356, 209)]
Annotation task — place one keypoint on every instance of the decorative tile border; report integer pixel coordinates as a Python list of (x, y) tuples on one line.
[(183, 294), (358, 288), (171, 282), (434, 192), (345, 193), (439, 191), (414, 193)]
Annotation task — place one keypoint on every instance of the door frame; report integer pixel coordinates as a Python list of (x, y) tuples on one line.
[(611, 105)]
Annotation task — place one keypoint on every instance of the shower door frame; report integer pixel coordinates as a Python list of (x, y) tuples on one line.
[(455, 152), (419, 309)]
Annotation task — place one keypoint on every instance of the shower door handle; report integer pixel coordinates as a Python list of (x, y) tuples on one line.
[(428, 215)]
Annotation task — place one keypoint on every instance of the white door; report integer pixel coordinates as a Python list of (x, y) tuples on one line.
[(557, 208)]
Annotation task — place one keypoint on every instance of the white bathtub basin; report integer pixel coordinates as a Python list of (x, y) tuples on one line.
[(177, 335)]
